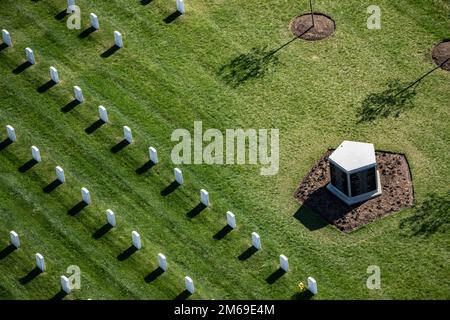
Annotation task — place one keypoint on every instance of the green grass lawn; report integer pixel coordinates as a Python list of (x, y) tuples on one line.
[(167, 77)]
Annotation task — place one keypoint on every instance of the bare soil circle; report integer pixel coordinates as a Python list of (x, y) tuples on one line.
[(302, 26), (441, 54)]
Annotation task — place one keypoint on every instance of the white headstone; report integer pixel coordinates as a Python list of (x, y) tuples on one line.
[(70, 3), (85, 195), (111, 217), (162, 261), (178, 175), (204, 197), (30, 56), (180, 6), (312, 285), (189, 285), (256, 240), (127, 134), (11, 133), (94, 21), (231, 219), (153, 155), (65, 284), (118, 39), (36, 153), (103, 114), (284, 263), (6, 38), (78, 93), (60, 174), (136, 239), (54, 75), (40, 262), (15, 241)]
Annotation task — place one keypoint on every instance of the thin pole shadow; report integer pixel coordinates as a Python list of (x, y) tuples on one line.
[(46, 86), (145, 2), (183, 295), (223, 232), (77, 208), (110, 51), (30, 276), (196, 211), (27, 165), (86, 33), (61, 15), (7, 251), (247, 253), (5, 143), (127, 253), (52, 186), (96, 125), (70, 106), (275, 276), (59, 296), (305, 295), (121, 145), (170, 188), (22, 67), (3, 46), (145, 167), (154, 275), (172, 17), (102, 231)]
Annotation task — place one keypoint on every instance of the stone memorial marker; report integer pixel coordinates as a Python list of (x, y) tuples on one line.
[(312, 285), (127, 134), (180, 6), (204, 197), (30, 56), (189, 285), (256, 241), (85, 195), (6, 38), (136, 239), (231, 219), (284, 263), (153, 155), (103, 114), (94, 21), (36, 153), (54, 75), (60, 174), (118, 39), (178, 176), (78, 93), (162, 261), (70, 3), (14, 237), (111, 217), (65, 284), (11, 133), (40, 262)]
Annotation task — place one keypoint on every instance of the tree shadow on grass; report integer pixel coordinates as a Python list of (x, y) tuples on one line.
[(30, 276), (432, 216), (7, 251), (390, 102), (152, 276)]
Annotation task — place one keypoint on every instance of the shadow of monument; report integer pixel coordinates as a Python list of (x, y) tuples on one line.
[(277, 274), (152, 276)]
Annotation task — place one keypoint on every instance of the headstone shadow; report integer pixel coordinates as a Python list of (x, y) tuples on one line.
[(222, 233), (145, 2), (70, 106), (61, 15), (52, 186), (94, 126), (59, 296), (127, 253), (145, 167), (120, 146), (5, 143), (22, 67), (304, 295), (196, 210), (271, 279), (172, 17), (27, 165), (110, 51), (77, 208), (247, 253), (7, 251), (170, 188), (152, 276), (30, 276), (46, 86), (3, 46), (184, 295), (85, 33), (102, 231)]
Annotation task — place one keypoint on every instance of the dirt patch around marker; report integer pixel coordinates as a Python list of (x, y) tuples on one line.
[(302, 26), (397, 193), (441, 53)]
